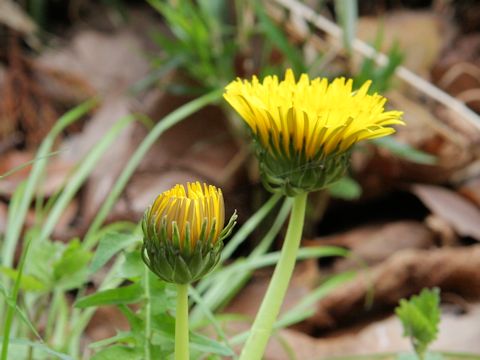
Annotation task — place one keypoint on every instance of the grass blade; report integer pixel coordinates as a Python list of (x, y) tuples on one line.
[(79, 177)]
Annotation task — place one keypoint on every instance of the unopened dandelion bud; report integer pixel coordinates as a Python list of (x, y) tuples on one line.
[(184, 231)]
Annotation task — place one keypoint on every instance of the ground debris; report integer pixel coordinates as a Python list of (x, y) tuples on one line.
[(453, 269)]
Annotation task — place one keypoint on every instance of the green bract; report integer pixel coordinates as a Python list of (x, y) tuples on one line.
[(294, 175)]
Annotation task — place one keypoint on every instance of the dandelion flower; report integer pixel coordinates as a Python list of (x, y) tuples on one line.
[(184, 231), (304, 131)]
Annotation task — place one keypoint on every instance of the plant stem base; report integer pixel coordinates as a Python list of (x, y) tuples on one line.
[(268, 312)]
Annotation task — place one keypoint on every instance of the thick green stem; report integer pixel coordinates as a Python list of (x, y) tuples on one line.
[(262, 326), (181, 324), (148, 314)]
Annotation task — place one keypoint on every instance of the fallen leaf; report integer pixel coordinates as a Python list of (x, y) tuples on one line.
[(109, 62), (420, 51), (57, 172), (3, 217), (471, 190), (375, 243), (463, 216), (458, 333), (453, 269)]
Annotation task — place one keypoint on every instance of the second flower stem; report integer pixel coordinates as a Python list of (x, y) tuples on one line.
[(181, 324), (268, 312)]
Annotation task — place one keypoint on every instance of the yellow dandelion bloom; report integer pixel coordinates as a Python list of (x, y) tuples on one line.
[(307, 122), (183, 232)]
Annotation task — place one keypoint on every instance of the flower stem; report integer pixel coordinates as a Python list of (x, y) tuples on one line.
[(262, 326), (148, 315), (181, 324)]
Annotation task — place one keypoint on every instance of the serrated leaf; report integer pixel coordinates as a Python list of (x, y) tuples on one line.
[(420, 317), (122, 295)]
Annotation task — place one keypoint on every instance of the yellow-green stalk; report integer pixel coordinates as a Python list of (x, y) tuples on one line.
[(303, 133), (183, 238)]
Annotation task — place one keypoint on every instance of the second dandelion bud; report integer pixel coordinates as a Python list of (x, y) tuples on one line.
[(304, 131), (184, 231)]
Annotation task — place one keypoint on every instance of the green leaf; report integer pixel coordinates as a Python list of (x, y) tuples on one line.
[(133, 266), (125, 337), (109, 245), (207, 345), (28, 282), (136, 322), (420, 317), (122, 295), (20, 312), (119, 352), (346, 188), (405, 151), (40, 347), (70, 271)]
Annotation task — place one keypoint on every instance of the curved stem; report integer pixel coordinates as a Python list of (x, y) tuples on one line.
[(262, 326), (181, 324)]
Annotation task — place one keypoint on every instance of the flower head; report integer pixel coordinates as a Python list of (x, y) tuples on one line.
[(304, 130), (184, 231)]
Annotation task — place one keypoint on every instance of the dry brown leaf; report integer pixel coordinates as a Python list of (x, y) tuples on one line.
[(463, 216), (453, 269), (420, 51), (57, 172), (110, 63), (471, 190), (3, 217), (202, 143), (458, 332), (375, 243)]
